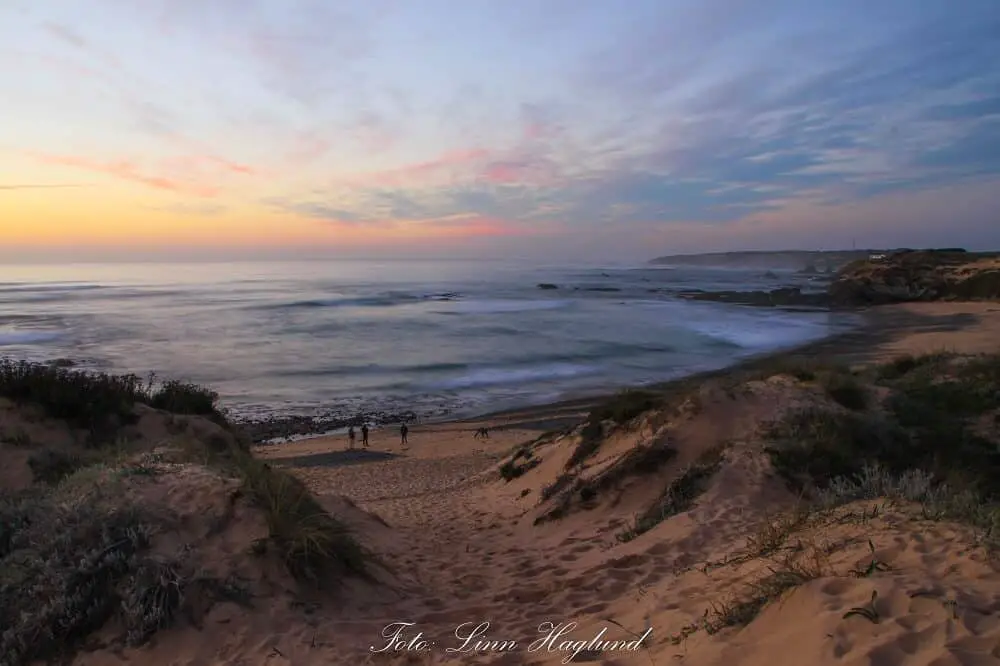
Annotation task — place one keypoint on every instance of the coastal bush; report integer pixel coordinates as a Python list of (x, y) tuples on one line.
[(182, 398), (679, 495), (802, 368), (98, 401), (17, 438), (313, 545), (847, 391), (939, 409), (812, 445), (65, 571), (53, 465), (84, 399), (931, 422), (938, 500), (903, 365), (69, 565), (625, 406)]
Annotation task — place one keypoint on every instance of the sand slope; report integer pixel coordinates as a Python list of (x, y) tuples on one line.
[(479, 553)]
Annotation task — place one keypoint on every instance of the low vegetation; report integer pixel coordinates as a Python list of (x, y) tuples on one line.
[(620, 409), (933, 440), (679, 495), (522, 460), (76, 546), (97, 401)]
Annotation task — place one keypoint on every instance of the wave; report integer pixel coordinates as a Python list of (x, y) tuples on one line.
[(25, 287), (760, 334), (26, 337), (371, 369), (499, 376), (380, 300), (501, 306)]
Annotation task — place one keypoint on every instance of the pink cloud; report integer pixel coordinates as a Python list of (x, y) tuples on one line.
[(127, 170), (190, 165)]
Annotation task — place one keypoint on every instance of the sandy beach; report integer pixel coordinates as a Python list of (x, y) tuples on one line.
[(465, 549), (610, 531)]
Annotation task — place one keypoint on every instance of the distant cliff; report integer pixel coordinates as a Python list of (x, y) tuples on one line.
[(920, 275), (808, 261)]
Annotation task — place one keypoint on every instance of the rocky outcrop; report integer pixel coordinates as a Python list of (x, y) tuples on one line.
[(921, 275), (783, 297)]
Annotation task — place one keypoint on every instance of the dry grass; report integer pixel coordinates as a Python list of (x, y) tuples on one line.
[(314, 545), (679, 496), (810, 563)]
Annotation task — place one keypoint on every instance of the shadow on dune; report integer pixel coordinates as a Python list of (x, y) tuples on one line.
[(336, 458)]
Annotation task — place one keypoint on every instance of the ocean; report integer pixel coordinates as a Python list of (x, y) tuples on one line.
[(337, 338)]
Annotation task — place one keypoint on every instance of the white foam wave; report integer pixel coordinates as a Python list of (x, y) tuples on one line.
[(761, 333)]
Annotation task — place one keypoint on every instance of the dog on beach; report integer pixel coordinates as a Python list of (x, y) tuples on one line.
[(482, 433)]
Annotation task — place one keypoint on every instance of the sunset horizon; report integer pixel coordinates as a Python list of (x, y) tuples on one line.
[(566, 131)]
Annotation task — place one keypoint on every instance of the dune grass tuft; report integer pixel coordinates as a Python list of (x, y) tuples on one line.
[(620, 409), (314, 545), (679, 495)]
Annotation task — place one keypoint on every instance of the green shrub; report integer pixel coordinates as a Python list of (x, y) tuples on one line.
[(182, 398), (625, 406), (98, 402), (846, 391), (87, 400), (814, 445), (53, 465), (907, 363)]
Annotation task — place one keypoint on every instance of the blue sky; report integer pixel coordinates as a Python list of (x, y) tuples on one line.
[(527, 127)]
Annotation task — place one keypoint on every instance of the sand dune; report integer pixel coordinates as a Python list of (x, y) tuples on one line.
[(672, 525)]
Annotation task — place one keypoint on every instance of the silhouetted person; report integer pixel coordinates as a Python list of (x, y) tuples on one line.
[(350, 436), (364, 435), (403, 430)]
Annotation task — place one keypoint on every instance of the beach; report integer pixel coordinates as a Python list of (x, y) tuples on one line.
[(761, 513), (469, 552)]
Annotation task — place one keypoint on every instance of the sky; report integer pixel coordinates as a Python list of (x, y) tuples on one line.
[(555, 129)]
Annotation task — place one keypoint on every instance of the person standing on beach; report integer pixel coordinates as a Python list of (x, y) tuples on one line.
[(403, 430), (350, 436), (364, 435)]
